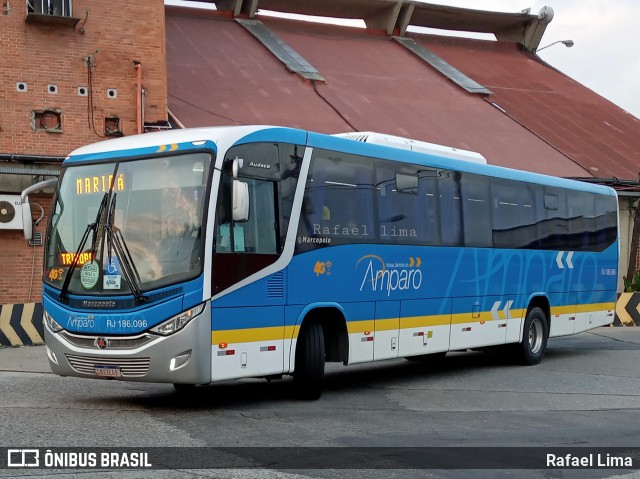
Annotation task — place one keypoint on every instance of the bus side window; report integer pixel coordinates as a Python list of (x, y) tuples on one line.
[(552, 221), (450, 207), (514, 219), (339, 200), (476, 211), (259, 232), (223, 217), (407, 211)]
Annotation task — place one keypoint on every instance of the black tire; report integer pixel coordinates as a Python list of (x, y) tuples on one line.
[(310, 357), (534, 338)]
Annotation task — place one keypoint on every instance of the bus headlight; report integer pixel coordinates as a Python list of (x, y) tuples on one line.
[(51, 323), (178, 322)]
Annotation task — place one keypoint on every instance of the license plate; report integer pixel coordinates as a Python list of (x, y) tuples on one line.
[(108, 371)]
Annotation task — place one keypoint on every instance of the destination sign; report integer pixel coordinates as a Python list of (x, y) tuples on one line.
[(99, 184), (67, 258)]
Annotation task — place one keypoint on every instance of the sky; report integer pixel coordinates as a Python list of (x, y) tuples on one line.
[(604, 56)]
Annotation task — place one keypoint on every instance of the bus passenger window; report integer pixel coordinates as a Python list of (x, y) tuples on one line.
[(338, 205)]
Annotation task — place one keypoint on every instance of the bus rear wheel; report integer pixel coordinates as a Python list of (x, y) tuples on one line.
[(310, 358), (534, 338)]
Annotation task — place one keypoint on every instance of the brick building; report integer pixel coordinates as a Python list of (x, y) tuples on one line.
[(72, 74)]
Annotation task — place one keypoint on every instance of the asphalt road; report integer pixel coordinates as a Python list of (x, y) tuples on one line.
[(585, 393)]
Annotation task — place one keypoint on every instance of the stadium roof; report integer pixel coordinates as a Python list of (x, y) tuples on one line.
[(397, 15), (224, 70)]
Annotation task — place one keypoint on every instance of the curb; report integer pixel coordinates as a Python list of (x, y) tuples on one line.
[(21, 324)]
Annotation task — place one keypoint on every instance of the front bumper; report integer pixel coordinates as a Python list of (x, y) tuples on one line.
[(181, 358)]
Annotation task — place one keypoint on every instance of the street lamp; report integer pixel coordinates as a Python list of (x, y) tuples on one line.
[(566, 43)]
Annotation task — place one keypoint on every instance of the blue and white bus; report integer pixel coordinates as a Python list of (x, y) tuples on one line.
[(200, 255)]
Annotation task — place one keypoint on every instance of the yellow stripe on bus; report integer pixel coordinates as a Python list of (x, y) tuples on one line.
[(386, 324), (278, 333), (592, 308), (424, 321), (229, 336), (360, 326)]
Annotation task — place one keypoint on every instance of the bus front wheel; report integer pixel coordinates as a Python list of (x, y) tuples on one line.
[(534, 338), (310, 358)]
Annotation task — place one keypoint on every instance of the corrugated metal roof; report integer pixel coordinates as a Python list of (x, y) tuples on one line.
[(219, 74), (589, 129)]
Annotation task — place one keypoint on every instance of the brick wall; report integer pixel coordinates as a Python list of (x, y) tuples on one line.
[(116, 33), (113, 35), (21, 264)]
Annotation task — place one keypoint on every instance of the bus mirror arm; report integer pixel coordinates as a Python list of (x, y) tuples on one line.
[(27, 220), (235, 166)]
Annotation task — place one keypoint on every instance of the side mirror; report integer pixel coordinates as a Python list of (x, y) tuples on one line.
[(240, 201)]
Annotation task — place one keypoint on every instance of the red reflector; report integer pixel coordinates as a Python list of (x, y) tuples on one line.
[(421, 333), (271, 348), (467, 329), (230, 352), (370, 338)]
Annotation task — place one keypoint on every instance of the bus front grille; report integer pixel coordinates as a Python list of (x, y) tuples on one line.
[(89, 342), (129, 367)]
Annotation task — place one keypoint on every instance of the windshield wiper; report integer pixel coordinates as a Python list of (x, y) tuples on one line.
[(91, 227), (116, 243)]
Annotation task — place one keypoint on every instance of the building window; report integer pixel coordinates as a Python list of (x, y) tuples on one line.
[(50, 12), (58, 8), (112, 126), (47, 120)]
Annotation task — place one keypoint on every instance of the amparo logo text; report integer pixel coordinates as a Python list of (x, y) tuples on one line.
[(380, 275)]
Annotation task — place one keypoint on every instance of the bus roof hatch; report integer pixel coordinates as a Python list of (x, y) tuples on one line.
[(413, 145)]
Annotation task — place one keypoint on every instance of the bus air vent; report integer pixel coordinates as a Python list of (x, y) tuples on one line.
[(275, 286)]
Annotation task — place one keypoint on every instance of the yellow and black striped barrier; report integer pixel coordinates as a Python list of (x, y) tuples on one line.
[(628, 310), (21, 324)]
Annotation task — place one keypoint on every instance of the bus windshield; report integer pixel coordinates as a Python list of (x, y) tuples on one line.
[(146, 229)]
